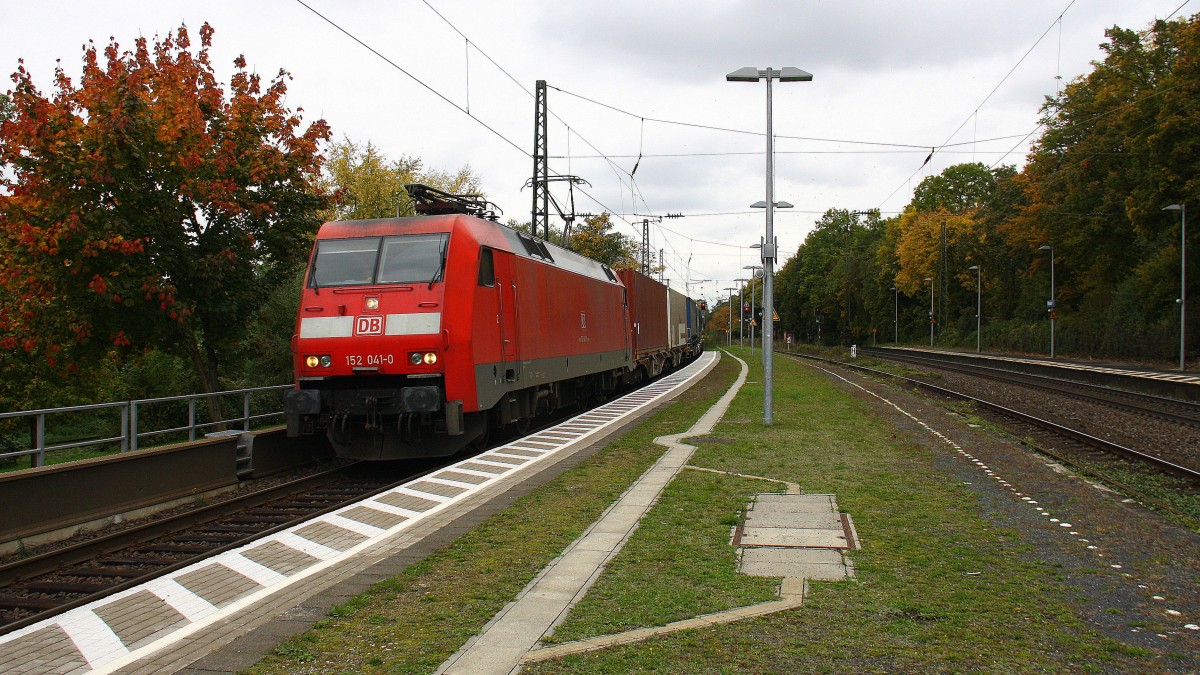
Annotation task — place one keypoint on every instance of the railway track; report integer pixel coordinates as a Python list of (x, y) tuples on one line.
[(42, 586), (1067, 440), (1159, 407)]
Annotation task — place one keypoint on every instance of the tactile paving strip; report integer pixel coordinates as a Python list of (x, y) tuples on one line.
[(139, 622)]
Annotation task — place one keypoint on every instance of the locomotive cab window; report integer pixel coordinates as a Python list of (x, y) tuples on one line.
[(487, 268), (413, 258)]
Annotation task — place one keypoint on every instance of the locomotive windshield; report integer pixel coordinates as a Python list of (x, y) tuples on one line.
[(407, 259)]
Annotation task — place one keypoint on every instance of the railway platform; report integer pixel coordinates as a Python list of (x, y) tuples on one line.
[(1101, 370), (221, 615)]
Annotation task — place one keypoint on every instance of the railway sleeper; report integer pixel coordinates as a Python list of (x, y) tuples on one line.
[(13, 604), (147, 563), (175, 548), (213, 538), (112, 572), (77, 588)]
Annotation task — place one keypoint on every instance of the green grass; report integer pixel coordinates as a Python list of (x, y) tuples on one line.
[(679, 563), (939, 588), (414, 621)]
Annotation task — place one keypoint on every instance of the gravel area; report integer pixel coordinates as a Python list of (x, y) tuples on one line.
[(1178, 443), (1132, 572)]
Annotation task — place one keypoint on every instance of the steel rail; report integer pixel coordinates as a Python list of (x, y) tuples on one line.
[(1138, 402), (1074, 434), (54, 560)]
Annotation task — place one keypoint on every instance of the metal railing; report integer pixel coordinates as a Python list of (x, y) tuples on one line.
[(129, 434)]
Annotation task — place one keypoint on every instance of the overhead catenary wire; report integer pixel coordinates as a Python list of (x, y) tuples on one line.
[(414, 78), (447, 100), (975, 111), (529, 93), (710, 127)]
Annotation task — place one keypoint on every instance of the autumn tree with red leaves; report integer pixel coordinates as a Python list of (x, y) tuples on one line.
[(146, 208)]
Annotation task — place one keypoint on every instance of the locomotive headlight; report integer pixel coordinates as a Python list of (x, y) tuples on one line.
[(323, 361), (423, 358), (372, 303)]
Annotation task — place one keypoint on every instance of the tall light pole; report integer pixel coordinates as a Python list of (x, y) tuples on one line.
[(895, 315), (786, 74), (1182, 209), (1050, 306), (978, 305), (742, 311), (731, 290), (930, 280), (754, 270)]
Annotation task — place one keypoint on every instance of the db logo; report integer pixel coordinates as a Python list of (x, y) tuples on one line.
[(369, 325)]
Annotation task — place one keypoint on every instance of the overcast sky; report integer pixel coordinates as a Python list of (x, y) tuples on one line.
[(920, 73)]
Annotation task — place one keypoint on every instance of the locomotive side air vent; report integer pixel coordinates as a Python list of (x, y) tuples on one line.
[(535, 247)]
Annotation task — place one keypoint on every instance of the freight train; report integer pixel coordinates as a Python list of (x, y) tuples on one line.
[(416, 336)]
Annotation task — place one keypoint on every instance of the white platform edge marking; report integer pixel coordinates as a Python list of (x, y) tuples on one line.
[(427, 496), (92, 637), (365, 529), (254, 571), (388, 508), (319, 551), (450, 482), (181, 599), (107, 662), (475, 472)]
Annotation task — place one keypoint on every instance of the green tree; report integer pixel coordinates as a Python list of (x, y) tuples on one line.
[(147, 208), (365, 184), (595, 238), (1120, 143), (957, 189)]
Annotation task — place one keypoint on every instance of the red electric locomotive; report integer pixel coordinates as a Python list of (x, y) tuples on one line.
[(414, 335)]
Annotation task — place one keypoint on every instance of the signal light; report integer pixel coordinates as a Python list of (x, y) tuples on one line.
[(323, 361), (423, 358)]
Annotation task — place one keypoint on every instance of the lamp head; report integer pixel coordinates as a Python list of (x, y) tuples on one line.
[(785, 74), (746, 74)]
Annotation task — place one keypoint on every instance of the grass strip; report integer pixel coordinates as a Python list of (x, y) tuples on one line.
[(939, 588), (679, 563), (416, 620)]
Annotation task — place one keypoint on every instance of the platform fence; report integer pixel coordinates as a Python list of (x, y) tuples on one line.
[(124, 426)]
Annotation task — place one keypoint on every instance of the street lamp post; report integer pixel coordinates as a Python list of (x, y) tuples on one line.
[(895, 315), (978, 305), (930, 280), (786, 74), (1182, 209), (731, 290), (754, 270), (741, 311), (1050, 306)]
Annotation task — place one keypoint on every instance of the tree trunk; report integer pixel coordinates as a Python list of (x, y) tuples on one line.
[(205, 363)]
